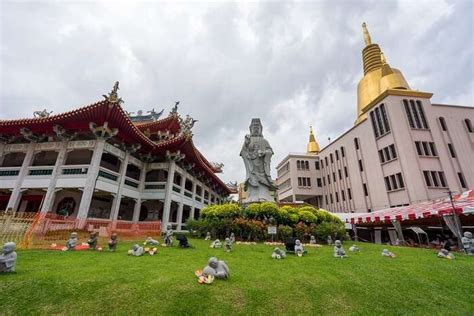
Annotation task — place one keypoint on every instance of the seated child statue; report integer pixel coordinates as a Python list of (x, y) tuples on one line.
[(169, 236), (208, 236), (387, 253), (299, 250), (443, 253), (216, 244), (329, 240), (113, 241), (151, 242), (338, 250), (8, 258), (312, 240), (72, 241), (278, 253), (136, 251), (232, 237), (227, 245), (468, 243), (92, 241), (216, 268), (354, 248)]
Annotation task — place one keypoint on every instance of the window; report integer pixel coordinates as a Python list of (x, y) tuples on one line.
[(387, 184), (387, 153), (384, 117), (330, 156), (442, 122), (306, 164), (462, 181), (415, 114), (349, 194), (337, 155), (381, 156), (343, 154), (298, 164), (400, 180), (361, 168), (334, 176), (468, 126), (308, 181), (300, 182), (408, 113), (394, 182), (418, 148), (451, 150), (343, 195), (345, 172), (318, 181), (426, 174), (326, 199), (422, 114), (326, 159), (366, 192), (316, 165), (434, 152), (340, 174), (356, 143), (374, 124), (442, 179), (337, 197), (329, 179), (425, 148), (434, 178), (330, 197), (324, 181), (379, 121)]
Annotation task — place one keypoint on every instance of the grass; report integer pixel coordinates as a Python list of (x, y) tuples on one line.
[(86, 283)]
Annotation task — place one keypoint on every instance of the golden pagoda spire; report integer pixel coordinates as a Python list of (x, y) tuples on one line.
[(367, 38), (313, 146), (382, 58)]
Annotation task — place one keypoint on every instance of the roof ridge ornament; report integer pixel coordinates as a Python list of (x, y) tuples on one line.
[(42, 114), (218, 166), (174, 156), (113, 97), (174, 109), (186, 125)]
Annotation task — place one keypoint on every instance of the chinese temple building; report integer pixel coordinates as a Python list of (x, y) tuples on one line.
[(101, 162)]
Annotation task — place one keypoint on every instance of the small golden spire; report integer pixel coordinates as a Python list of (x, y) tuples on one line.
[(367, 38), (382, 58), (313, 146)]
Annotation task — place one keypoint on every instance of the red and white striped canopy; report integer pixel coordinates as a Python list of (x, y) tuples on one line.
[(439, 207)]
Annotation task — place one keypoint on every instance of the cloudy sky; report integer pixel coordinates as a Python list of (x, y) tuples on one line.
[(291, 63)]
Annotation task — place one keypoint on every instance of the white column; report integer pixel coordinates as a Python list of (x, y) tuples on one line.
[(16, 193), (191, 213), (51, 193), (2, 152), (122, 174), (141, 188), (92, 174), (179, 218), (168, 192)]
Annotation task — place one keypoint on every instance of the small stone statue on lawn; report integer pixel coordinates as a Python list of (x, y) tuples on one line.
[(299, 250), (8, 258), (113, 241), (227, 245), (468, 243), (387, 253), (216, 244), (312, 240), (136, 251), (169, 236), (278, 253), (208, 236), (338, 250), (329, 240), (92, 242), (216, 268), (354, 248), (151, 242), (443, 253), (72, 241), (232, 237)]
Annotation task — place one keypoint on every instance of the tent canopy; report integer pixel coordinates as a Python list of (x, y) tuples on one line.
[(463, 204)]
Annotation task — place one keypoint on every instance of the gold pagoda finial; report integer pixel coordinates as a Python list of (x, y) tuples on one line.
[(113, 97), (367, 38), (313, 146), (382, 58)]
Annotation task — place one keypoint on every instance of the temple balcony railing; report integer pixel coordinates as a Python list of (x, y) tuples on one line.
[(108, 174), (188, 193), (154, 186), (43, 171), (74, 170), (9, 171), (176, 188), (131, 182)]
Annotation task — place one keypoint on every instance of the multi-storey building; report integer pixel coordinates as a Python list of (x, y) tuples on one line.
[(99, 162), (402, 148)]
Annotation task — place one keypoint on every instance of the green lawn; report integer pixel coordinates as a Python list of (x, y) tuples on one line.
[(416, 282)]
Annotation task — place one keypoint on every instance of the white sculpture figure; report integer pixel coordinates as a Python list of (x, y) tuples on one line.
[(227, 245), (232, 237), (8, 258), (257, 153), (468, 243), (208, 236), (216, 268), (299, 250), (136, 251), (444, 253), (278, 253), (354, 248), (151, 242), (216, 244), (312, 240), (338, 250), (329, 240), (387, 253), (169, 236)]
